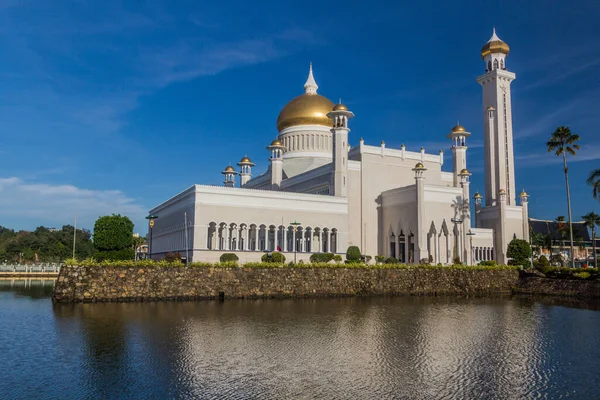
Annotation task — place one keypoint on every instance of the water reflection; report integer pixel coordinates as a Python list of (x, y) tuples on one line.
[(403, 347), (36, 288)]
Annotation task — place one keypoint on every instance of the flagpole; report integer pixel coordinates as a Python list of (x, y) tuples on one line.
[(74, 234)]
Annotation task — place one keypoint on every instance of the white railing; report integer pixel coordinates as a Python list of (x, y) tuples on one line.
[(27, 268)]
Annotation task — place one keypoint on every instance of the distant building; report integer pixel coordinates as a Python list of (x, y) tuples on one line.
[(558, 233), (390, 202)]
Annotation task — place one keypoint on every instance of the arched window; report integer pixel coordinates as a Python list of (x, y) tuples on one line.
[(489, 65), (502, 64), (496, 64)]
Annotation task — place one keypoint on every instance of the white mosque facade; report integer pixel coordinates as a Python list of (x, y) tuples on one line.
[(320, 194)]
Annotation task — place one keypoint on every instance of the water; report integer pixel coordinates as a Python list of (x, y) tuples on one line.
[(349, 348)]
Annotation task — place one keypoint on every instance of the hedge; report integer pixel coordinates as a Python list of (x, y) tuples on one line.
[(321, 257), (231, 264), (589, 274), (275, 257), (226, 257)]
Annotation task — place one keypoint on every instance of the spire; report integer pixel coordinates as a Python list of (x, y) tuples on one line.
[(494, 36), (311, 85)]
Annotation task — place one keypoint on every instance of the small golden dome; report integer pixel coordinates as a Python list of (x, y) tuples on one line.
[(477, 196), (245, 160), (494, 45), (523, 194), (419, 166), (458, 129), (229, 169), (276, 142), (306, 109), (464, 171), (340, 107), (490, 108), (501, 191)]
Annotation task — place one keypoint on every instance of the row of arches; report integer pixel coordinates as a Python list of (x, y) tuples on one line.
[(312, 141), (497, 64), (483, 253), (262, 237)]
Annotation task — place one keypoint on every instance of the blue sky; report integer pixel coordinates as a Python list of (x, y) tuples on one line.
[(114, 106)]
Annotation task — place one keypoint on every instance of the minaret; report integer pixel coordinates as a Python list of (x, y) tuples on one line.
[(459, 137), (421, 243), (525, 211), (340, 116), (498, 134), (276, 148), (245, 170), (230, 174), (465, 212)]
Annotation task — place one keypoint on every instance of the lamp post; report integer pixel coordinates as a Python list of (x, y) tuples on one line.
[(457, 221), (151, 219), (471, 234), (294, 243)]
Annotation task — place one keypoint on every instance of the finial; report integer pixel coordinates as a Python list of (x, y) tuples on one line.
[(311, 85)]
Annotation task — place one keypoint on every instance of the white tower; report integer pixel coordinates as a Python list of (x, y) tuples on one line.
[(459, 137), (340, 116), (230, 174), (498, 133), (245, 170), (276, 148)]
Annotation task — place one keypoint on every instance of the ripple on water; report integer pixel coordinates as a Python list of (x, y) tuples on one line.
[(403, 347)]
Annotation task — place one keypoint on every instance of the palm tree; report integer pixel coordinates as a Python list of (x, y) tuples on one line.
[(562, 142), (561, 228), (594, 181), (591, 220)]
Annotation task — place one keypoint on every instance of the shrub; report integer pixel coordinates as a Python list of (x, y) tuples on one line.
[(543, 261), (274, 257), (489, 263), (379, 259), (353, 253), (114, 255), (456, 261), (337, 258), (581, 275), (112, 233), (225, 257), (520, 251), (170, 257), (321, 257), (392, 260)]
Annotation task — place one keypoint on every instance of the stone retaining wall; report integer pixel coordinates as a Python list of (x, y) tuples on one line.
[(100, 284), (558, 287)]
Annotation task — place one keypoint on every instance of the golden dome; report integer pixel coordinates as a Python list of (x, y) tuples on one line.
[(229, 169), (419, 166), (458, 128), (490, 108), (477, 196), (245, 160), (464, 171), (340, 107), (306, 109), (494, 45), (501, 191), (523, 194), (276, 142)]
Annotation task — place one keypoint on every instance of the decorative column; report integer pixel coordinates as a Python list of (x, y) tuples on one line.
[(230, 174), (525, 214), (245, 170), (420, 246)]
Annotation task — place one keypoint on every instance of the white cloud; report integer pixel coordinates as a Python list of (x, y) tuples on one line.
[(57, 204)]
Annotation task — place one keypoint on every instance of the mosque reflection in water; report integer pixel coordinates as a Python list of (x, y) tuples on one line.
[(328, 348)]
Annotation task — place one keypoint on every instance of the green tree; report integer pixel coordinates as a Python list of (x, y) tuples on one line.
[(113, 237), (591, 221), (353, 254), (563, 142), (520, 252)]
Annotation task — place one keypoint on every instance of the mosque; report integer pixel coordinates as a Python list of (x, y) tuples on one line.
[(321, 194)]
